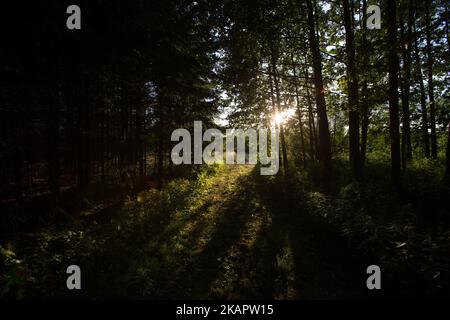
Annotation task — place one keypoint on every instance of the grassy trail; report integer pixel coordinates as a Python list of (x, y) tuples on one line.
[(246, 242)]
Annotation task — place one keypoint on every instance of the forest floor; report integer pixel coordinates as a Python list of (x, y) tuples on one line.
[(229, 234), (253, 246), (226, 232)]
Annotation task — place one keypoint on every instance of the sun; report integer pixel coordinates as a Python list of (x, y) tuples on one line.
[(280, 118)]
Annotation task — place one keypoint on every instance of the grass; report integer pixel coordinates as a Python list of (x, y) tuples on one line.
[(228, 233), (179, 241)]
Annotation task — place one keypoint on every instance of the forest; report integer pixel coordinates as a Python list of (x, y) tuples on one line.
[(360, 103)]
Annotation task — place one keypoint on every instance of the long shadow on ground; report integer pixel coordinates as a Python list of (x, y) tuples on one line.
[(324, 265)]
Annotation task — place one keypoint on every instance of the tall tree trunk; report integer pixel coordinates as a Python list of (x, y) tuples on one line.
[(299, 113), (87, 142), (79, 144), (423, 103), (53, 151), (83, 136), (430, 80), (393, 92), (406, 80), (324, 133), (447, 157), (139, 134), (274, 106), (124, 98), (352, 87), (55, 91), (313, 144), (18, 172), (160, 149), (278, 104), (103, 147), (446, 26), (364, 89)]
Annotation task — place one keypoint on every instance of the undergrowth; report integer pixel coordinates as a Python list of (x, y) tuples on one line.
[(406, 232), (134, 253)]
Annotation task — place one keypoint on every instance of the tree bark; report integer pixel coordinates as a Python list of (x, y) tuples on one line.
[(160, 149), (278, 104), (393, 92), (324, 133), (447, 157), (299, 113), (406, 81), (352, 88), (430, 80), (313, 144), (423, 103), (364, 90)]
